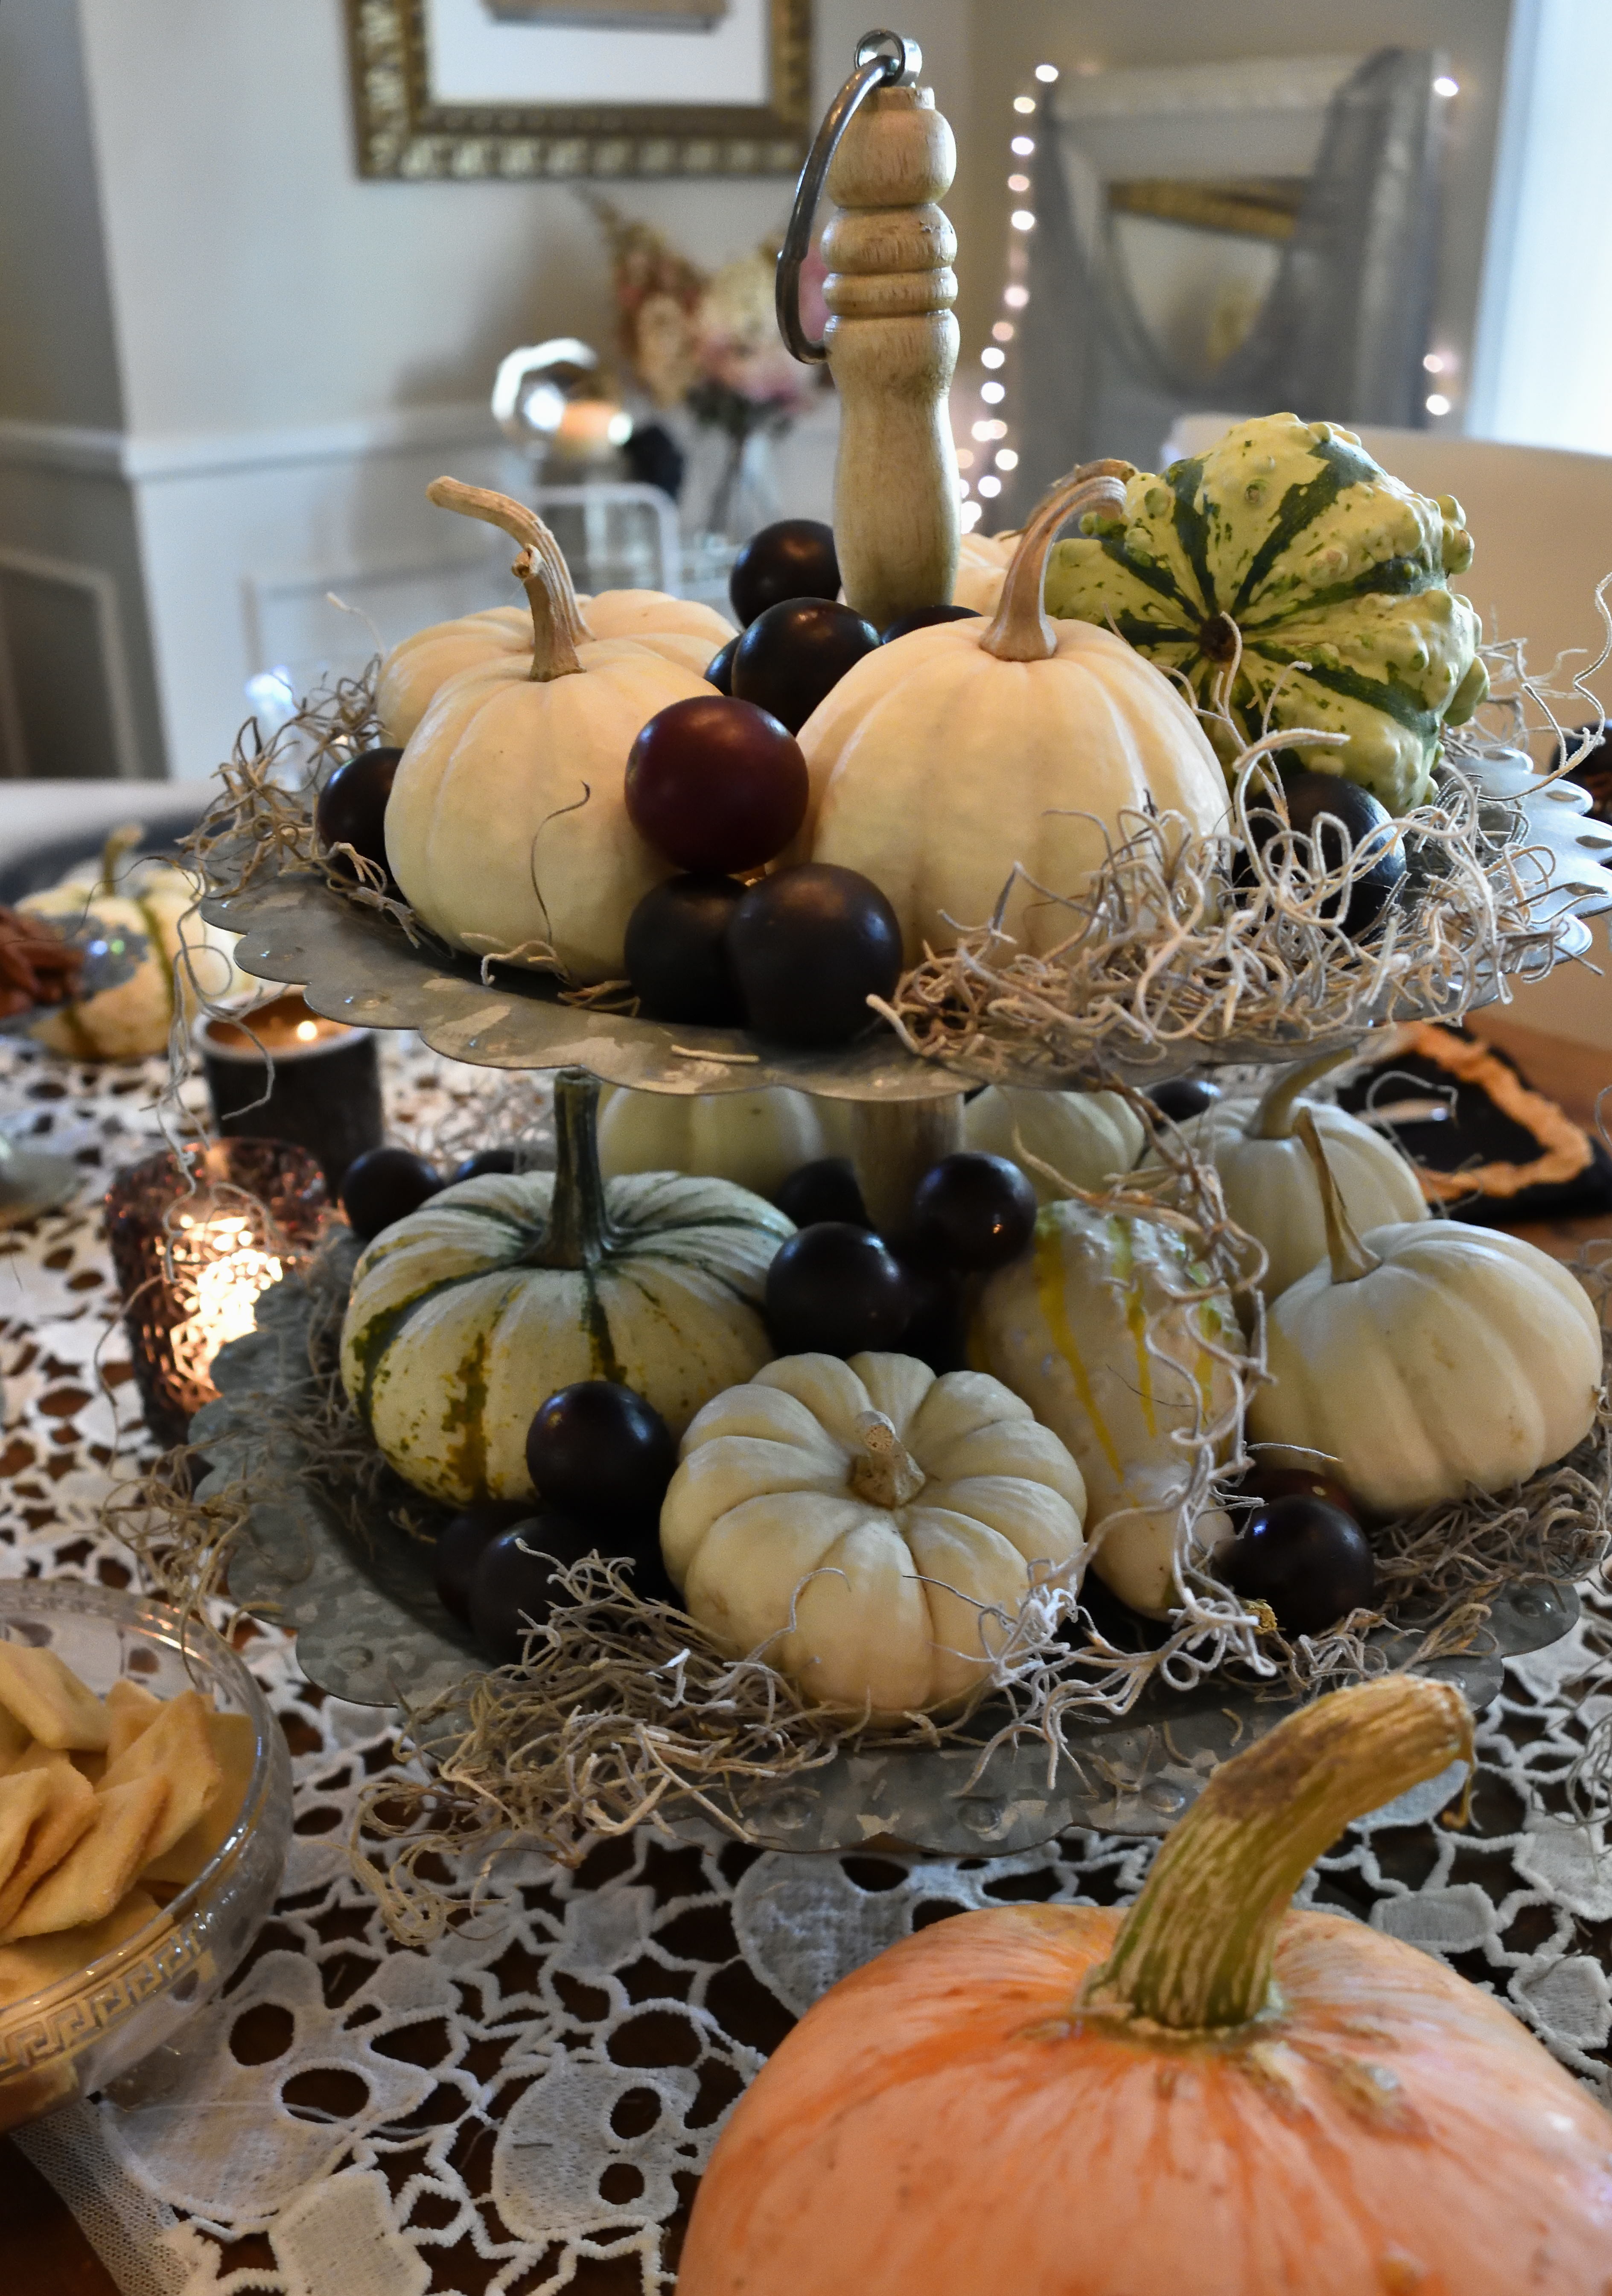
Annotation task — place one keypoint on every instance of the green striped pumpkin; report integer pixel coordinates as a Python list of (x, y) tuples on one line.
[(464, 1317), (1335, 574)]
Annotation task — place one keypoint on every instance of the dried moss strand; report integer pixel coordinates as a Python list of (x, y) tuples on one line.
[(1194, 1954)]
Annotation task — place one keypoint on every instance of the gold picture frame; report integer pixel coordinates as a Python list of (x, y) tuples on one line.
[(404, 132)]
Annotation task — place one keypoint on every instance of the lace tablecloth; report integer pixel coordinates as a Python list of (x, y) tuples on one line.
[(526, 2106)]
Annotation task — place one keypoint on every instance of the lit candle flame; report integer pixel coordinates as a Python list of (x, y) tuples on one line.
[(219, 1269)]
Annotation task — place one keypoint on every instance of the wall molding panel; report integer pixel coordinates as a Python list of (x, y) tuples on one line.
[(102, 590)]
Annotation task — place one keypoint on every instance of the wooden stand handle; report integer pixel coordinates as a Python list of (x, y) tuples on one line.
[(892, 344)]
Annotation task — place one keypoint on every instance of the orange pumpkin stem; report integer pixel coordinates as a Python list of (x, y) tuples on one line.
[(1020, 631), (560, 613), (1351, 1258), (1277, 1114), (1194, 1954)]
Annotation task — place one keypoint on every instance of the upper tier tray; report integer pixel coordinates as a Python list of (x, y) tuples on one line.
[(356, 965)]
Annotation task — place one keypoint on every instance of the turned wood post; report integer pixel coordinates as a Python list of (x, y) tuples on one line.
[(892, 345), (894, 1143)]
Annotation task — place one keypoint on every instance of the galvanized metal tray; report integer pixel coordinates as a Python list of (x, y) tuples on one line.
[(370, 1628), (356, 965)]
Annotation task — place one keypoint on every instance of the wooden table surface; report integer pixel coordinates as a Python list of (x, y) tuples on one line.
[(45, 2253)]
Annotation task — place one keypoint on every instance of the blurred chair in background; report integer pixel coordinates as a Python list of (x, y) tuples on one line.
[(1252, 236)]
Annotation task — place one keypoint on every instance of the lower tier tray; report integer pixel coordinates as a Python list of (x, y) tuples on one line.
[(371, 1630)]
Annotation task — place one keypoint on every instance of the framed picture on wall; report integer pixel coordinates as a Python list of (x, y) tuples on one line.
[(469, 89)]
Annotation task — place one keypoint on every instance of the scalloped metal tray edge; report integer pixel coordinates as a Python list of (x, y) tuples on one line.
[(355, 966)]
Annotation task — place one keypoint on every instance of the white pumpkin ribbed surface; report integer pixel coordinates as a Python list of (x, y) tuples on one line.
[(680, 630), (1088, 1138), (865, 1604), (507, 825), (938, 769), (1468, 1357), (418, 667), (756, 1139)]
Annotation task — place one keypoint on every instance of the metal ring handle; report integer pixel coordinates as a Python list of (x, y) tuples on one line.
[(883, 59)]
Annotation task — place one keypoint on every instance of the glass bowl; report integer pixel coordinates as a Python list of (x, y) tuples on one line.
[(94, 2026)]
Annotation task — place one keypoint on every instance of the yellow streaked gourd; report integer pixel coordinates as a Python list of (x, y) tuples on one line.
[(1089, 1328)]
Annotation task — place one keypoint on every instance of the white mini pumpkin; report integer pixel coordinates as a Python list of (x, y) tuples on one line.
[(466, 1316), (146, 911), (413, 673), (945, 761), (872, 1529), (1268, 1176), (1425, 1359), (756, 1139), (680, 631), (1068, 1327), (1088, 1137), (507, 827)]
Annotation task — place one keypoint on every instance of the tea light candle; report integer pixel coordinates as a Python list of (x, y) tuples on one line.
[(325, 1091), (196, 1239)]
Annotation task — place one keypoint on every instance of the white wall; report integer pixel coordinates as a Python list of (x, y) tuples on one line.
[(259, 282), (286, 352), (58, 358)]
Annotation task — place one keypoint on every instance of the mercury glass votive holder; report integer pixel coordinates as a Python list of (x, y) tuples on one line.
[(325, 1091), (195, 1237)]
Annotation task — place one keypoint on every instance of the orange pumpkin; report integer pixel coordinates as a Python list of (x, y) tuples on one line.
[(1213, 2095)]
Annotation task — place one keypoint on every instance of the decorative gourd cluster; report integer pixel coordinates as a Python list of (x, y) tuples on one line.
[(761, 827), (688, 1347)]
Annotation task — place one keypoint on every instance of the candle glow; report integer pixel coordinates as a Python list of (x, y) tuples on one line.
[(219, 1270)]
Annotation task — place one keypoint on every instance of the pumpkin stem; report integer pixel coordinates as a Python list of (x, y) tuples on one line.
[(1020, 631), (579, 1228), (1275, 1116), (1194, 1954), (1351, 1258), (119, 843), (523, 525), (886, 1474), (553, 650)]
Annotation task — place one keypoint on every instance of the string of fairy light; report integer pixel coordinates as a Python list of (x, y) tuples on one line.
[(985, 458)]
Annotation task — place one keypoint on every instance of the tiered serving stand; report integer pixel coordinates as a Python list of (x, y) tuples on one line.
[(369, 1628)]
